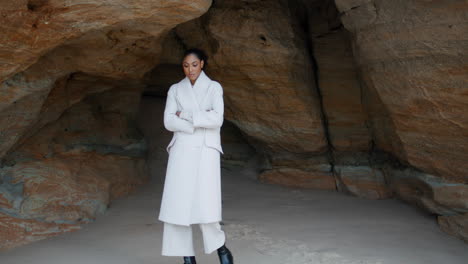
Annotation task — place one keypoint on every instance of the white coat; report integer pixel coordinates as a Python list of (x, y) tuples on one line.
[(192, 187)]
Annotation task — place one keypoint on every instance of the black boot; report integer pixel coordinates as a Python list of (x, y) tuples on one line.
[(225, 256), (190, 260)]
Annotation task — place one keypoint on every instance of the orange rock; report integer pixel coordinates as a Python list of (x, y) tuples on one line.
[(42, 44), (5, 203), (455, 225), (341, 92), (85, 152), (32, 30), (16, 231), (299, 178), (412, 59), (429, 192), (363, 181), (266, 72)]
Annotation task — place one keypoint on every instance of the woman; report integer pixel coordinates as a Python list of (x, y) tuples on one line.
[(192, 188)]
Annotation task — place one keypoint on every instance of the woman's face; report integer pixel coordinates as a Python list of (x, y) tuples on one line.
[(192, 67)]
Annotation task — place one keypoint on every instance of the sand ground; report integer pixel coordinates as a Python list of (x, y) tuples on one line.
[(263, 223)]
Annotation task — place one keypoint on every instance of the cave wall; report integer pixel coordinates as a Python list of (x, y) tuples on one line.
[(48, 40), (412, 60), (71, 77), (265, 70), (292, 86), (68, 172), (270, 92)]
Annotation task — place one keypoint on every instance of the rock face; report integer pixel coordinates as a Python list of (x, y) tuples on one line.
[(68, 172), (430, 192), (337, 78), (362, 181), (456, 225), (270, 89), (412, 59), (300, 178), (17, 231), (271, 109), (48, 40), (35, 27), (265, 71), (70, 84)]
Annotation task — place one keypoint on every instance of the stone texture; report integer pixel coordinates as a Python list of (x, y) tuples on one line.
[(299, 178), (271, 109), (346, 5), (76, 38), (448, 200), (56, 190), (336, 76), (362, 181), (265, 69), (101, 121), (70, 170), (35, 27), (70, 83), (341, 93), (16, 231), (72, 187), (456, 225), (430, 192), (413, 62)]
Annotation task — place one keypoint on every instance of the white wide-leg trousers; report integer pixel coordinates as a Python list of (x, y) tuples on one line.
[(178, 239)]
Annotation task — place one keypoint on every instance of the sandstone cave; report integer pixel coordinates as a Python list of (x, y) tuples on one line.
[(345, 125)]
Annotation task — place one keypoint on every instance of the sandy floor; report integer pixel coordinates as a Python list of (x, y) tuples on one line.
[(263, 223)]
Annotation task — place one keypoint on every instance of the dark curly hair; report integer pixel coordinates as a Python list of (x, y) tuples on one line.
[(199, 53)]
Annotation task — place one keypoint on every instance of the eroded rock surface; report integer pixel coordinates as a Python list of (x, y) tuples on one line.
[(86, 38), (413, 61), (70, 87), (456, 225), (265, 69), (67, 172), (35, 27), (300, 178)]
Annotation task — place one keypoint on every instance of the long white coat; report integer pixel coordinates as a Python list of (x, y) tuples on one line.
[(192, 188)]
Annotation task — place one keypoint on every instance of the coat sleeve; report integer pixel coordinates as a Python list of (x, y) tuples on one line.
[(187, 115), (171, 121), (214, 117)]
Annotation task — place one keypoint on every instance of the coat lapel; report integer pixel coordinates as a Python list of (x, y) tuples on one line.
[(202, 85), (189, 101)]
